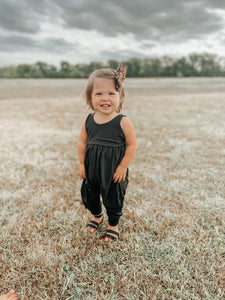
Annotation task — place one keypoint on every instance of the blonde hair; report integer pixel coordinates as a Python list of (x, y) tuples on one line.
[(102, 73)]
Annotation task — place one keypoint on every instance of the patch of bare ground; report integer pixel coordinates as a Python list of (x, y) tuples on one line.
[(172, 233)]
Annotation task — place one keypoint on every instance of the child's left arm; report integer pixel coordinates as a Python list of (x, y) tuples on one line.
[(131, 142)]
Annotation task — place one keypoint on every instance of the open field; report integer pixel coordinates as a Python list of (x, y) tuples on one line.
[(172, 233)]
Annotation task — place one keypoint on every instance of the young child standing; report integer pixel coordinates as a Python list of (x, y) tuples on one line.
[(106, 146)]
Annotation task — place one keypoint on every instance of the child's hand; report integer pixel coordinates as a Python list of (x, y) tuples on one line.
[(120, 174), (82, 171)]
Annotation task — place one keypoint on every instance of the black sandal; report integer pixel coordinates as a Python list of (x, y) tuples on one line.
[(94, 224), (112, 237)]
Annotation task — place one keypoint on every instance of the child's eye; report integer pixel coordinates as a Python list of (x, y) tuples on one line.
[(98, 94), (111, 93)]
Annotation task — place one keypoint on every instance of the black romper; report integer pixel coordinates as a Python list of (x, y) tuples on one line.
[(105, 149)]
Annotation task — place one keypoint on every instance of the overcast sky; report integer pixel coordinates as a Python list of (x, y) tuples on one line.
[(98, 30)]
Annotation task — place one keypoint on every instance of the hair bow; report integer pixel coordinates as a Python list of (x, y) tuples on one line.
[(120, 76)]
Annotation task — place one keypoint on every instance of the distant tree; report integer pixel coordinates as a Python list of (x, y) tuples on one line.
[(52, 72), (134, 67), (65, 70), (46, 70), (35, 72), (181, 68), (195, 64), (152, 67), (113, 64), (167, 66), (24, 71), (210, 65), (76, 72), (8, 72), (95, 65), (205, 64), (83, 70)]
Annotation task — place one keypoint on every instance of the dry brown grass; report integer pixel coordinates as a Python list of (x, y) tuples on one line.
[(172, 243)]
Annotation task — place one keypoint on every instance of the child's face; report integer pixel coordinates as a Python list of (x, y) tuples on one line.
[(105, 98)]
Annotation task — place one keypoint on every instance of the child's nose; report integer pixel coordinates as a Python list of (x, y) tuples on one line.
[(105, 96)]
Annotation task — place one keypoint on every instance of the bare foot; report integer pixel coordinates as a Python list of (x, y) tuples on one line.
[(9, 296), (94, 219), (114, 228)]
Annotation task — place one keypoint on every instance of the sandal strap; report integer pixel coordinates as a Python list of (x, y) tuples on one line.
[(93, 224), (99, 216), (113, 232), (112, 237)]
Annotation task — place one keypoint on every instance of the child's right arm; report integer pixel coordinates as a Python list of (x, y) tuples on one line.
[(81, 148)]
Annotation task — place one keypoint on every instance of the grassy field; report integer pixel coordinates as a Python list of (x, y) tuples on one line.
[(172, 233)]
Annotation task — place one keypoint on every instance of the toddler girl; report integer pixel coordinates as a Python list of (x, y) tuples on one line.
[(106, 146)]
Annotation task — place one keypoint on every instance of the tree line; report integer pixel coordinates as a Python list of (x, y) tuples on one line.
[(202, 65)]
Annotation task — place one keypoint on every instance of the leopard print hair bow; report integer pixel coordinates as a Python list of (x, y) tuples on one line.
[(120, 76)]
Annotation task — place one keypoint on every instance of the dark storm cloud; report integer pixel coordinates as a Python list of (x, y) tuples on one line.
[(28, 25), (58, 45), (21, 16), (145, 19), (148, 19), (16, 43)]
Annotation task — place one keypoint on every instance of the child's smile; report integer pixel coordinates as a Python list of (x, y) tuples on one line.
[(106, 105)]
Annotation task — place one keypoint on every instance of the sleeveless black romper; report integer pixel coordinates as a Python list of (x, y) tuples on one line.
[(105, 149)]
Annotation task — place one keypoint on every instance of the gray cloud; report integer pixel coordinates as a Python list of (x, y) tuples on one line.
[(19, 43), (21, 16), (57, 45), (15, 42), (145, 19), (148, 24)]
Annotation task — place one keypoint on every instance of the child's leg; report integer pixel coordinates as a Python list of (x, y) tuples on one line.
[(113, 202), (91, 199), (94, 223)]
